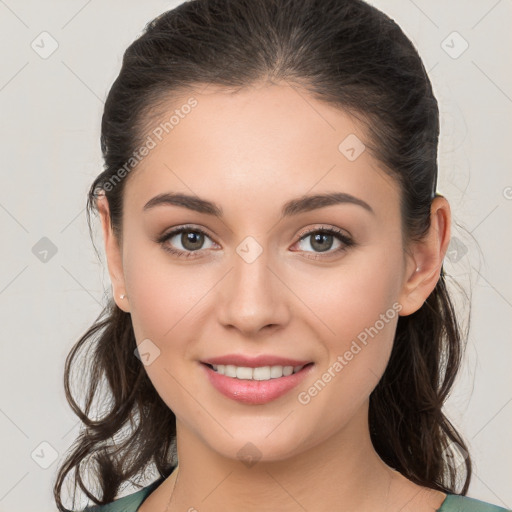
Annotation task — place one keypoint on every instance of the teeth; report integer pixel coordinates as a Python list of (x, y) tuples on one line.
[(259, 373)]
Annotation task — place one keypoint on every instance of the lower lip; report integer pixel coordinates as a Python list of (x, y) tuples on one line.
[(255, 392)]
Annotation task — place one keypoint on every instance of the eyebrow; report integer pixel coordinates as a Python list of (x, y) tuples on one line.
[(292, 207)]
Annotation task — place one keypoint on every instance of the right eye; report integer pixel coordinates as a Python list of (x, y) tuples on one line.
[(191, 240)]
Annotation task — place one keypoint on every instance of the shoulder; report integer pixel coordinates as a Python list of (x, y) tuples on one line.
[(456, 503), (129, 503)]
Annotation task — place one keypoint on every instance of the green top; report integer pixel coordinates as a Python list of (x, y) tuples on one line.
[(452, 503)]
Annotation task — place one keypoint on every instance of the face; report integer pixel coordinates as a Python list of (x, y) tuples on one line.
[(316, 283)]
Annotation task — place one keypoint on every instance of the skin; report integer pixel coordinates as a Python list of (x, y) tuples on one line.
[(250, 152)]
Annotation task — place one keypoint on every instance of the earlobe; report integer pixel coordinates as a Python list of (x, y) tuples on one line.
[(424, 263), (113, 255)]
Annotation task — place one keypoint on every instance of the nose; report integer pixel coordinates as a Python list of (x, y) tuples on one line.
[(253, 297)]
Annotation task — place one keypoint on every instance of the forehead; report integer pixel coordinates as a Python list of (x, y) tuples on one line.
[(256, 148)]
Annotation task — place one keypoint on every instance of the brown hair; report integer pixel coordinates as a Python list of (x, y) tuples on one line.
[(347, 54)]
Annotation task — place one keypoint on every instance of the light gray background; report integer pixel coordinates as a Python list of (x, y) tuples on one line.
[(51, 110)]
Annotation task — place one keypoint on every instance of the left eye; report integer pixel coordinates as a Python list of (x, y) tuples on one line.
[(321, 240)]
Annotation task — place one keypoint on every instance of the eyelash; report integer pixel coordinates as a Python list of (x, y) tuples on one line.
[(342, 237)]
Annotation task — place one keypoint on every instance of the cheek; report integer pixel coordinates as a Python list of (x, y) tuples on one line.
[(358, 326), (165, 306), (354, 311), (163, 295), (344, 301)]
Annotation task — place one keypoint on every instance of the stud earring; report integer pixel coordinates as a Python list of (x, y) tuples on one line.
[(122, 296)]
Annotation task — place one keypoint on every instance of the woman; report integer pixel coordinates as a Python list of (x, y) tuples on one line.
[(280, 323)]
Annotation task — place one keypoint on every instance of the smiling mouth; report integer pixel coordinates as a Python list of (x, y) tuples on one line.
[(260, 373)]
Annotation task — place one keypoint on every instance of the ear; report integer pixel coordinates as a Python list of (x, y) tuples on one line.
[(424, 258), (113, 255)]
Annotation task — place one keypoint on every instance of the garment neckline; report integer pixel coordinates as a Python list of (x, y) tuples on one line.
[(441, 509), (146, 491), (153, 486)]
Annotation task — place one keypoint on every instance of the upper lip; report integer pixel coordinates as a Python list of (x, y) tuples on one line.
[(254, 362)]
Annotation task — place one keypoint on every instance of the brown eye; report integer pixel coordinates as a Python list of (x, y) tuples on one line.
[(323, 240), (192, 240), (185, 241)]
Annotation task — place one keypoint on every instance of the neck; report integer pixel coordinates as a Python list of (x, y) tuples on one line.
[(342, 473)]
